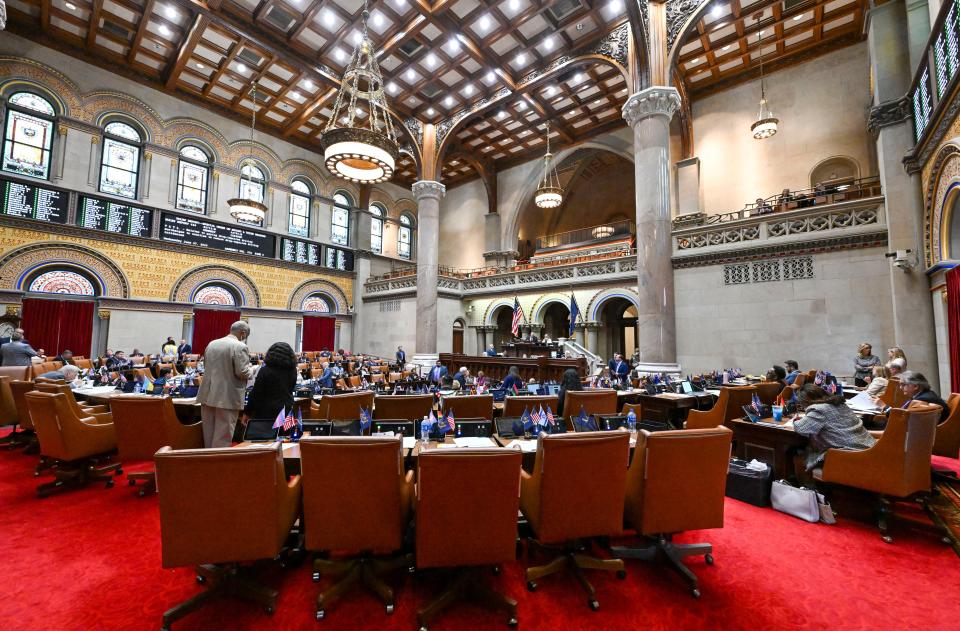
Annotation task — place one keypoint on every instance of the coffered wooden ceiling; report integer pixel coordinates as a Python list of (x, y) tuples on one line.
[(726, 43)]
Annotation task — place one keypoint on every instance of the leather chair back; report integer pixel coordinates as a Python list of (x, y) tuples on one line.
[(947, 441), (43, 413), (409, 407), (62, 434), (581, 480), (729, 406), (353, 495), (893, 395), (768, 391), (801, 379), (467, 503), (636, 407), (598, 401), (514, 406), (8, 408), (677, 480), (354, 381), (223, 505), (44, 367), (64, 389), (144, 424), (82, 363), (19, 373), (345, 407), (470, 406), (18, 389)]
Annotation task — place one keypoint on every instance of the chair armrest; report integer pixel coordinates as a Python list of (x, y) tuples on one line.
[(99, 418), (289, 504), (530, 497), (406, 496), (95, 409), (188, 436), (97, 438)]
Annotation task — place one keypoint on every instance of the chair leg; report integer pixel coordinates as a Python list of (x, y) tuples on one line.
[(222, 581), (470, 583), (75, 475), (674, 553), (884, 513), (365, 570), (575, 560)]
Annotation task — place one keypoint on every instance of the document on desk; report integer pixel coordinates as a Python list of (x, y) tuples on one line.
[(409, 442), (863, 402), (526, 446), (474, 441)]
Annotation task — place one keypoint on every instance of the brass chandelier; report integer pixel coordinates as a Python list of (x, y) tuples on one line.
[(361, 151), (242, 208), (549, 194), (766, 123)]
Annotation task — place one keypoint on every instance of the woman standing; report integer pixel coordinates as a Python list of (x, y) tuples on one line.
[(863, 364), (895, 352), (276, 379)]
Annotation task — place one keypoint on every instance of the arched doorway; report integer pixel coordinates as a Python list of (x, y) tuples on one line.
[(618, 332), (458, 336), (503, 317), (556, 321)]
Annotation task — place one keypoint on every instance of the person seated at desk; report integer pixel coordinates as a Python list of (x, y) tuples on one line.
[(896, 366), (569, 382), (437, 373), (481, 381), (602, 379), (462, 377), (777, 374), (136, 356), (619, 369), (829, 424), (65, 357), (162, 378), (337, 369), (68, 373), (512, 381), (325, 380), (878, 381), (273, 388), (325, 352), (491, 351), (916, 388), (118, 362), (793, 369)]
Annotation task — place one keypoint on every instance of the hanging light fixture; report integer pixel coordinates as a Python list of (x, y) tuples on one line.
[(766, 123), (362, 151), (242, 208), (549, 194)]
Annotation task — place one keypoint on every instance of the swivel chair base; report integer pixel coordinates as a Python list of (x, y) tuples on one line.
[(887, 514), (574, 560), (222, 581), (365, 570), (149, 485), (469, 584), (75, 475), (674, 553)]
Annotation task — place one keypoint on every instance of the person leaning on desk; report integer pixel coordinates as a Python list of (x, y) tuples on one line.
[(829, 424)]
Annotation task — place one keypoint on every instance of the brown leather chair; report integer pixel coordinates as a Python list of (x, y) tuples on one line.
[(892, 395), (393, 377), (345, 407), (18, 373), (787, 393), (8, 408), (144, 424), (356, 499), (469, 406), (895, 468), (676, 482), (220, 508), (27, 437), (99, 412), (801, 379), (409, 407), (565, 508), (473, 528), (514, 406), (729, 405), (377, 377), (354, 381), (82, 364), (44, 367), (947, 441), (596, 401), (636, 407), (77, 445), (768, 391)]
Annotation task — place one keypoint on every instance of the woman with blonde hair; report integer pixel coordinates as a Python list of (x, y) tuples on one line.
[(863, 364), (895, 352), (878, 381)]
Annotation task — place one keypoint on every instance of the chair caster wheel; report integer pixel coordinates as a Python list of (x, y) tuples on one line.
[(708, 558), (946, 540), (268, 609), (594, 605), (132, 482), (118, 472), (321, 614), (142, 493), (316, 577), (496, 570), (695, 592), (109, 484), (621, 574), (513, 623), (412, 569), (201, 579), (531, 586), (36, 474), (887, 539), (389, 609), (423, 627)]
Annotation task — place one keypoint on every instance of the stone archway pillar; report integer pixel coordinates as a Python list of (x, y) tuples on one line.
[(428, 195)]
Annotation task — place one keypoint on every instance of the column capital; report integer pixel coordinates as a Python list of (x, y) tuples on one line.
[(423, 189), (592, 325), (654, 101), (889, 113)]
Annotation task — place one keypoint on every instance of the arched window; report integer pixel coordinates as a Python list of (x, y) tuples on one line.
[(300, 201), (214, 294), (340, 218), (377, 213), (405, 237), (251, 182), (193, 174), (316, 303), (120, 162), (62, 281), (28, 136)]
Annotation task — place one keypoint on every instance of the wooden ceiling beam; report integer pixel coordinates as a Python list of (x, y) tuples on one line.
[(222, 68), (141, 30), (311, 107), (94, 22), (200, 22)]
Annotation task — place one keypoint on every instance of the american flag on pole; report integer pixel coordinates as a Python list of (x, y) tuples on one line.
[(535, 416), (289, 422), (517, 318), (550, 418)]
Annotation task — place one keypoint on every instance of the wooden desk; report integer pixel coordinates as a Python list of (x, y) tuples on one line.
[(668, 407), (767, 443), (539, 368), (530, 349)]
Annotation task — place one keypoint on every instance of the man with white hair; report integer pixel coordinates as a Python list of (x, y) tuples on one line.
[(226, 371), (68, 373), (462, 376)]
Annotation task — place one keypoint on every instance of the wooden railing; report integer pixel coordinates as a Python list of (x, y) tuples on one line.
[(539, 368)]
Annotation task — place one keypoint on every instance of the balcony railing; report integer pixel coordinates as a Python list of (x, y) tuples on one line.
[(612, 230)]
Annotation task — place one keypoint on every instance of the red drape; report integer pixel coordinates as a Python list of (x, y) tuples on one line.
[(210, 324), (58, 325), (318, 333), (953, 326)]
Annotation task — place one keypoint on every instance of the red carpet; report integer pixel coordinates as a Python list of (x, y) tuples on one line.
[(90, 559)]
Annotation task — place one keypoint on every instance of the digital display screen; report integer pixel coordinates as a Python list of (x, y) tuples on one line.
[(34, 202), (102, 214), (297, 251), (189, 231)]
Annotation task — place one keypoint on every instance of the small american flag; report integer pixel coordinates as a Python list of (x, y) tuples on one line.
[(535, 416), (290, 421), (550, 418), (517, 318)]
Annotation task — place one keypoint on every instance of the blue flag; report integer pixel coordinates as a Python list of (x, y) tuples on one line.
[(525, 419), (444, 425), (365, 419), (574, 314), (585, 422)]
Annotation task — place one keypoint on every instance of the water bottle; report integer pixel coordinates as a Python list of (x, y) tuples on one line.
[(424, 432), (632, 421)]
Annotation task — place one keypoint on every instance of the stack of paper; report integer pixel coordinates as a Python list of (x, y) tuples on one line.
[(474, 441)]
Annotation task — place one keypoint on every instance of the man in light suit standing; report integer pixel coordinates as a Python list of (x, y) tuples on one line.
[(226, 371)]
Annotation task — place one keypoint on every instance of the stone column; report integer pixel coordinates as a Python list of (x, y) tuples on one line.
[(428, 194), (481, 339), (592, 340), (649, 112)]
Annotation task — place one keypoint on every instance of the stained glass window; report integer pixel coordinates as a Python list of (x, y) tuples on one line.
[(251, 183), (340, 219), (316, 303), (120, 164), (404, 237), (192, 176), (214, 295), (62, 282), (376, 228), (28, 136), (299, 221)]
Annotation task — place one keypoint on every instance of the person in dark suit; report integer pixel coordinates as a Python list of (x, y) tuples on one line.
[(326, 377), (17, 352), (570, 382), (916, 387), (273, 388), (491, 351), (401, 357), (184, 349), (619, 368), (512, 379), (8, 338), (437, 373), (65, 357)]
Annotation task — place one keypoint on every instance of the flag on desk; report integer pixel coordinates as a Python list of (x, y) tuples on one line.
[(428, 424), (447, 423), (574, 314), (289, 422), (517, 318), (277, 424), (755, 402), (525, 419), (365, 419), (550, 419), (535, 416), (585, 423), (544, 420)]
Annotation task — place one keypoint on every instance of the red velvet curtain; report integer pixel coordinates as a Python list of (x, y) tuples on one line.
[(318, 333), (210, 324), (58, 325), (953, 326)]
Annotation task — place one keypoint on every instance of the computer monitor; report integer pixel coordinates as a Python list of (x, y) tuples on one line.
[(318, 428), (475, 427), (553, 389), (687, 387), (533, 388), (404, 428), (258, 430)]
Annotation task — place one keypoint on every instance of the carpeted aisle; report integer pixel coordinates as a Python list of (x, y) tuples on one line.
[(90, 559)]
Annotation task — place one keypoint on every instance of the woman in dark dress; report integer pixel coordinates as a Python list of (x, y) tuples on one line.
[(273, 388), (571, 381)]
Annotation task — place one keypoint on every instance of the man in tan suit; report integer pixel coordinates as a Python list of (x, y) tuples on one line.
[(227, 367)]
